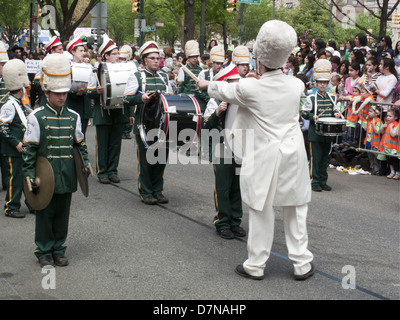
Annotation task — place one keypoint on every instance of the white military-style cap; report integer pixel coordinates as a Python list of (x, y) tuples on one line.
[(3, 52), (14, 75), (107, 45), (274, 43), (53, 42), (149, 47), (217, 54), (241, 55), (125, 52), (322, 70), (56, 73), (192, 48), (74, 43)]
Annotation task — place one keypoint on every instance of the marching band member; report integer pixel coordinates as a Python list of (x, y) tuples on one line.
[(321, 104), (76, 99), (241, 58), (137, 93), (274, 171), (108, 122), (52, 130), (227, 198), (185, 83), (12, 127), (217, 56)]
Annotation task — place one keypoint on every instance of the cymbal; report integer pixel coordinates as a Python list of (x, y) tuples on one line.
[(45, 180)]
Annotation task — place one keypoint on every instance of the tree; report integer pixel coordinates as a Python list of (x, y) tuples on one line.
[(120, 21), (65, 21), (382, 16), (13, 16)]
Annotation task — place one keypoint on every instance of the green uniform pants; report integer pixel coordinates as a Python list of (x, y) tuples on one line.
[(14, 182), (319, 154), (227, 198), (151, 176), (52, 226), (108, 145)]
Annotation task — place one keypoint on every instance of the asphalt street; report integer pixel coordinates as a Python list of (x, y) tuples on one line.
[(121, 249)]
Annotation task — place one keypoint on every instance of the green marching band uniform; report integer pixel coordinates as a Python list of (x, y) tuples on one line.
[(323, 106), (51, 133), (151, 176), (227, 196), (12, 125), (186, 84), (3, 99), (109, 124)]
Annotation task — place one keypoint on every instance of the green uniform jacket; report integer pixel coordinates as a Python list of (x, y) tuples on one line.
[(52, 135), (79, 105), (325, 106), (188, 85), (3, 93), (12, 128), (133, 97)]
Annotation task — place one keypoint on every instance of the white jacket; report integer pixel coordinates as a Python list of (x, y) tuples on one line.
[(269, 106)]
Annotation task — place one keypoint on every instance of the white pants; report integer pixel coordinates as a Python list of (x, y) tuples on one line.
[(261, 233)]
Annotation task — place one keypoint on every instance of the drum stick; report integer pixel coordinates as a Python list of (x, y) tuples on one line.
[(189, 73), (98, 81), (28, 182), (90, 169)]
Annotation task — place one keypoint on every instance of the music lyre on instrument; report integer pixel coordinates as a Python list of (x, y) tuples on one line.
[(188, 72)]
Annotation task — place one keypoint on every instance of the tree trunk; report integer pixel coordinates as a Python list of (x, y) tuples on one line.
[(188, 33)]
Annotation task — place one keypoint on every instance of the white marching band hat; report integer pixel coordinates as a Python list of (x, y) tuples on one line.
[(107, 45), (3, 52), (228, 73), (125, 52), (56, 73), (149, 47), (74, 43), (217, 54), (14, 75), (241, 55), (53, 42), (192, 48), (322, 70), (274, 43)]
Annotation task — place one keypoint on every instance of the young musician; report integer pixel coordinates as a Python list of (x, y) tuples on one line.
[(185, 83)]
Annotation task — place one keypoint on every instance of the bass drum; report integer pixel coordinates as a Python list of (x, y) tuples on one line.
[(175, 119), (113, 77)]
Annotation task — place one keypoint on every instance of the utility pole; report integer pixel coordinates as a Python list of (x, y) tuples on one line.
[(141, 18), (241, 22)]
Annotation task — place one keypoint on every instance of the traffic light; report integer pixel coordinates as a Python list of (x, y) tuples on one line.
[(231, 5), (395, 18), (136, 5)]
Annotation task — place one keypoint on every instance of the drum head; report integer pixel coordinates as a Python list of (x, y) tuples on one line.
[(153, 126)]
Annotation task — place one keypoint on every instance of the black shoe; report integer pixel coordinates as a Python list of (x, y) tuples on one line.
[(115, 179), (161, 198), (226, 233), (238, 231), (240, 271), (301, 277), (46, 261), (104, 180), (316, 188), (325, 187), (15, 214), (60, 260), (150, 200)]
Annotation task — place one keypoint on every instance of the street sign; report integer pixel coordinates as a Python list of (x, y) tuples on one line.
[(250, 1), (148, 29)]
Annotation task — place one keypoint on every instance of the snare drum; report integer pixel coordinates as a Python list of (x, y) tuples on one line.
[(168, 111), (80, 73), (113, 77), (330, 126)]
